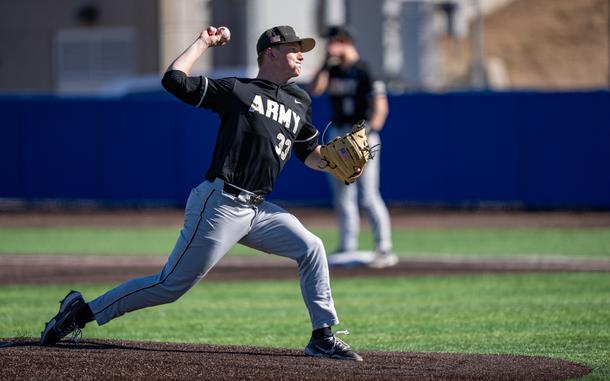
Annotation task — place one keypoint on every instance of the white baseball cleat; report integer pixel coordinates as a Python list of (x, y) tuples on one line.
[(383, 259)]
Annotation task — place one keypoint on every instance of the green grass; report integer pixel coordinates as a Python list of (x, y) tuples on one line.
[(558, 315), (407, 242)]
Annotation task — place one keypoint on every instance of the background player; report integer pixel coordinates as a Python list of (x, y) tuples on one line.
[(261, 121), (354, 96)]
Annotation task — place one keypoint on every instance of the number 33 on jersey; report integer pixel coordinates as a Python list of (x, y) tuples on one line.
[(282, 115)]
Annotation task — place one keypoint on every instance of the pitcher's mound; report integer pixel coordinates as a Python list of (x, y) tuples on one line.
[(113, 359)]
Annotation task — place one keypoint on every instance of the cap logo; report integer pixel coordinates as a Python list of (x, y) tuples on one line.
[(275, 39)]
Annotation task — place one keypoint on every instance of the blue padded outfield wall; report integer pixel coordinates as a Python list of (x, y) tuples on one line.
[(520, 149)]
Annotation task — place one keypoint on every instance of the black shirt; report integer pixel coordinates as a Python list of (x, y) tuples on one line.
[(350, 90), (260, 123)]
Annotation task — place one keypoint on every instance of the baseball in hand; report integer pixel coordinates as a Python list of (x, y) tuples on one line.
[(225, 34)]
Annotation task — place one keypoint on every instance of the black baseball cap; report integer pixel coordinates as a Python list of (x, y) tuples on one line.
[(340, 31), (282, 35)]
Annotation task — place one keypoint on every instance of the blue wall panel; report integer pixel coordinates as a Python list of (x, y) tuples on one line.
[(62, 146), (567, 140), (482, 149), (197, 135), (12, 155), (416, 148), (532, 149), (139, 152)]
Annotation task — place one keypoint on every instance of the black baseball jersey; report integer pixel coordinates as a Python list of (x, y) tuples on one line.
[(350, 90), (260, 123)]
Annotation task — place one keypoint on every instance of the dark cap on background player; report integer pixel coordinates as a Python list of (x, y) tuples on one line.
[(340, 32), (283, 34)]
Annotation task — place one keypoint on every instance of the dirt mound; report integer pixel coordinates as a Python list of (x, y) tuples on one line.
[(110, 359), (551, 44), (539, 44)]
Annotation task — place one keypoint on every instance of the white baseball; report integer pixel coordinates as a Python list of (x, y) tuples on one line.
[(225, 34)]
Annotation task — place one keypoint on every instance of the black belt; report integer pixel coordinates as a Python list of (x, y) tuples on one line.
[(251, 198)]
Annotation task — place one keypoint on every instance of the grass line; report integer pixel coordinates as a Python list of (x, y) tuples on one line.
[(592, 243)]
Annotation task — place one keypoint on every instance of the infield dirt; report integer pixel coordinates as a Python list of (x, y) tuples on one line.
[(110, 359)]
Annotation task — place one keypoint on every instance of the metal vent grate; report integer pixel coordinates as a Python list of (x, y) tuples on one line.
[(86, 58)]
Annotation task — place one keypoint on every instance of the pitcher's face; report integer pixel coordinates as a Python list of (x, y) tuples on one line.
[(291, 58)]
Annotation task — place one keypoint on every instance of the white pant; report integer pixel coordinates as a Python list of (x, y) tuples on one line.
[(214, 222), (365, 190)]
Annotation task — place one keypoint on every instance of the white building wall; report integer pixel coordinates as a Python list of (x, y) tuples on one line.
[(181, 21)]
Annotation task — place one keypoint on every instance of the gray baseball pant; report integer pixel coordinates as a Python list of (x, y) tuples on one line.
[(214, 222), (366, 191)]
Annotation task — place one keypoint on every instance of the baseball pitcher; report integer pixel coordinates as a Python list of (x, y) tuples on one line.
[(263, 120)]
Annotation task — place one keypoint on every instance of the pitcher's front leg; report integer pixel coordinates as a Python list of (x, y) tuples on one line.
[(276, 231), (213, 224)]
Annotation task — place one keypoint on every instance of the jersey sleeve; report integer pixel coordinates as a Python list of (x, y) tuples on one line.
[(378, 89), (198, 91), (187, 89), (372, 86), (307, 138), (367, 82), (215, 93)]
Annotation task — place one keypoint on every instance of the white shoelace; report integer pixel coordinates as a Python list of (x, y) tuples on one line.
[(342, 343), (77, 334)]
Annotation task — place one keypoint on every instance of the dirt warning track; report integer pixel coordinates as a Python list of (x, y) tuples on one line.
[(21, 269)]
